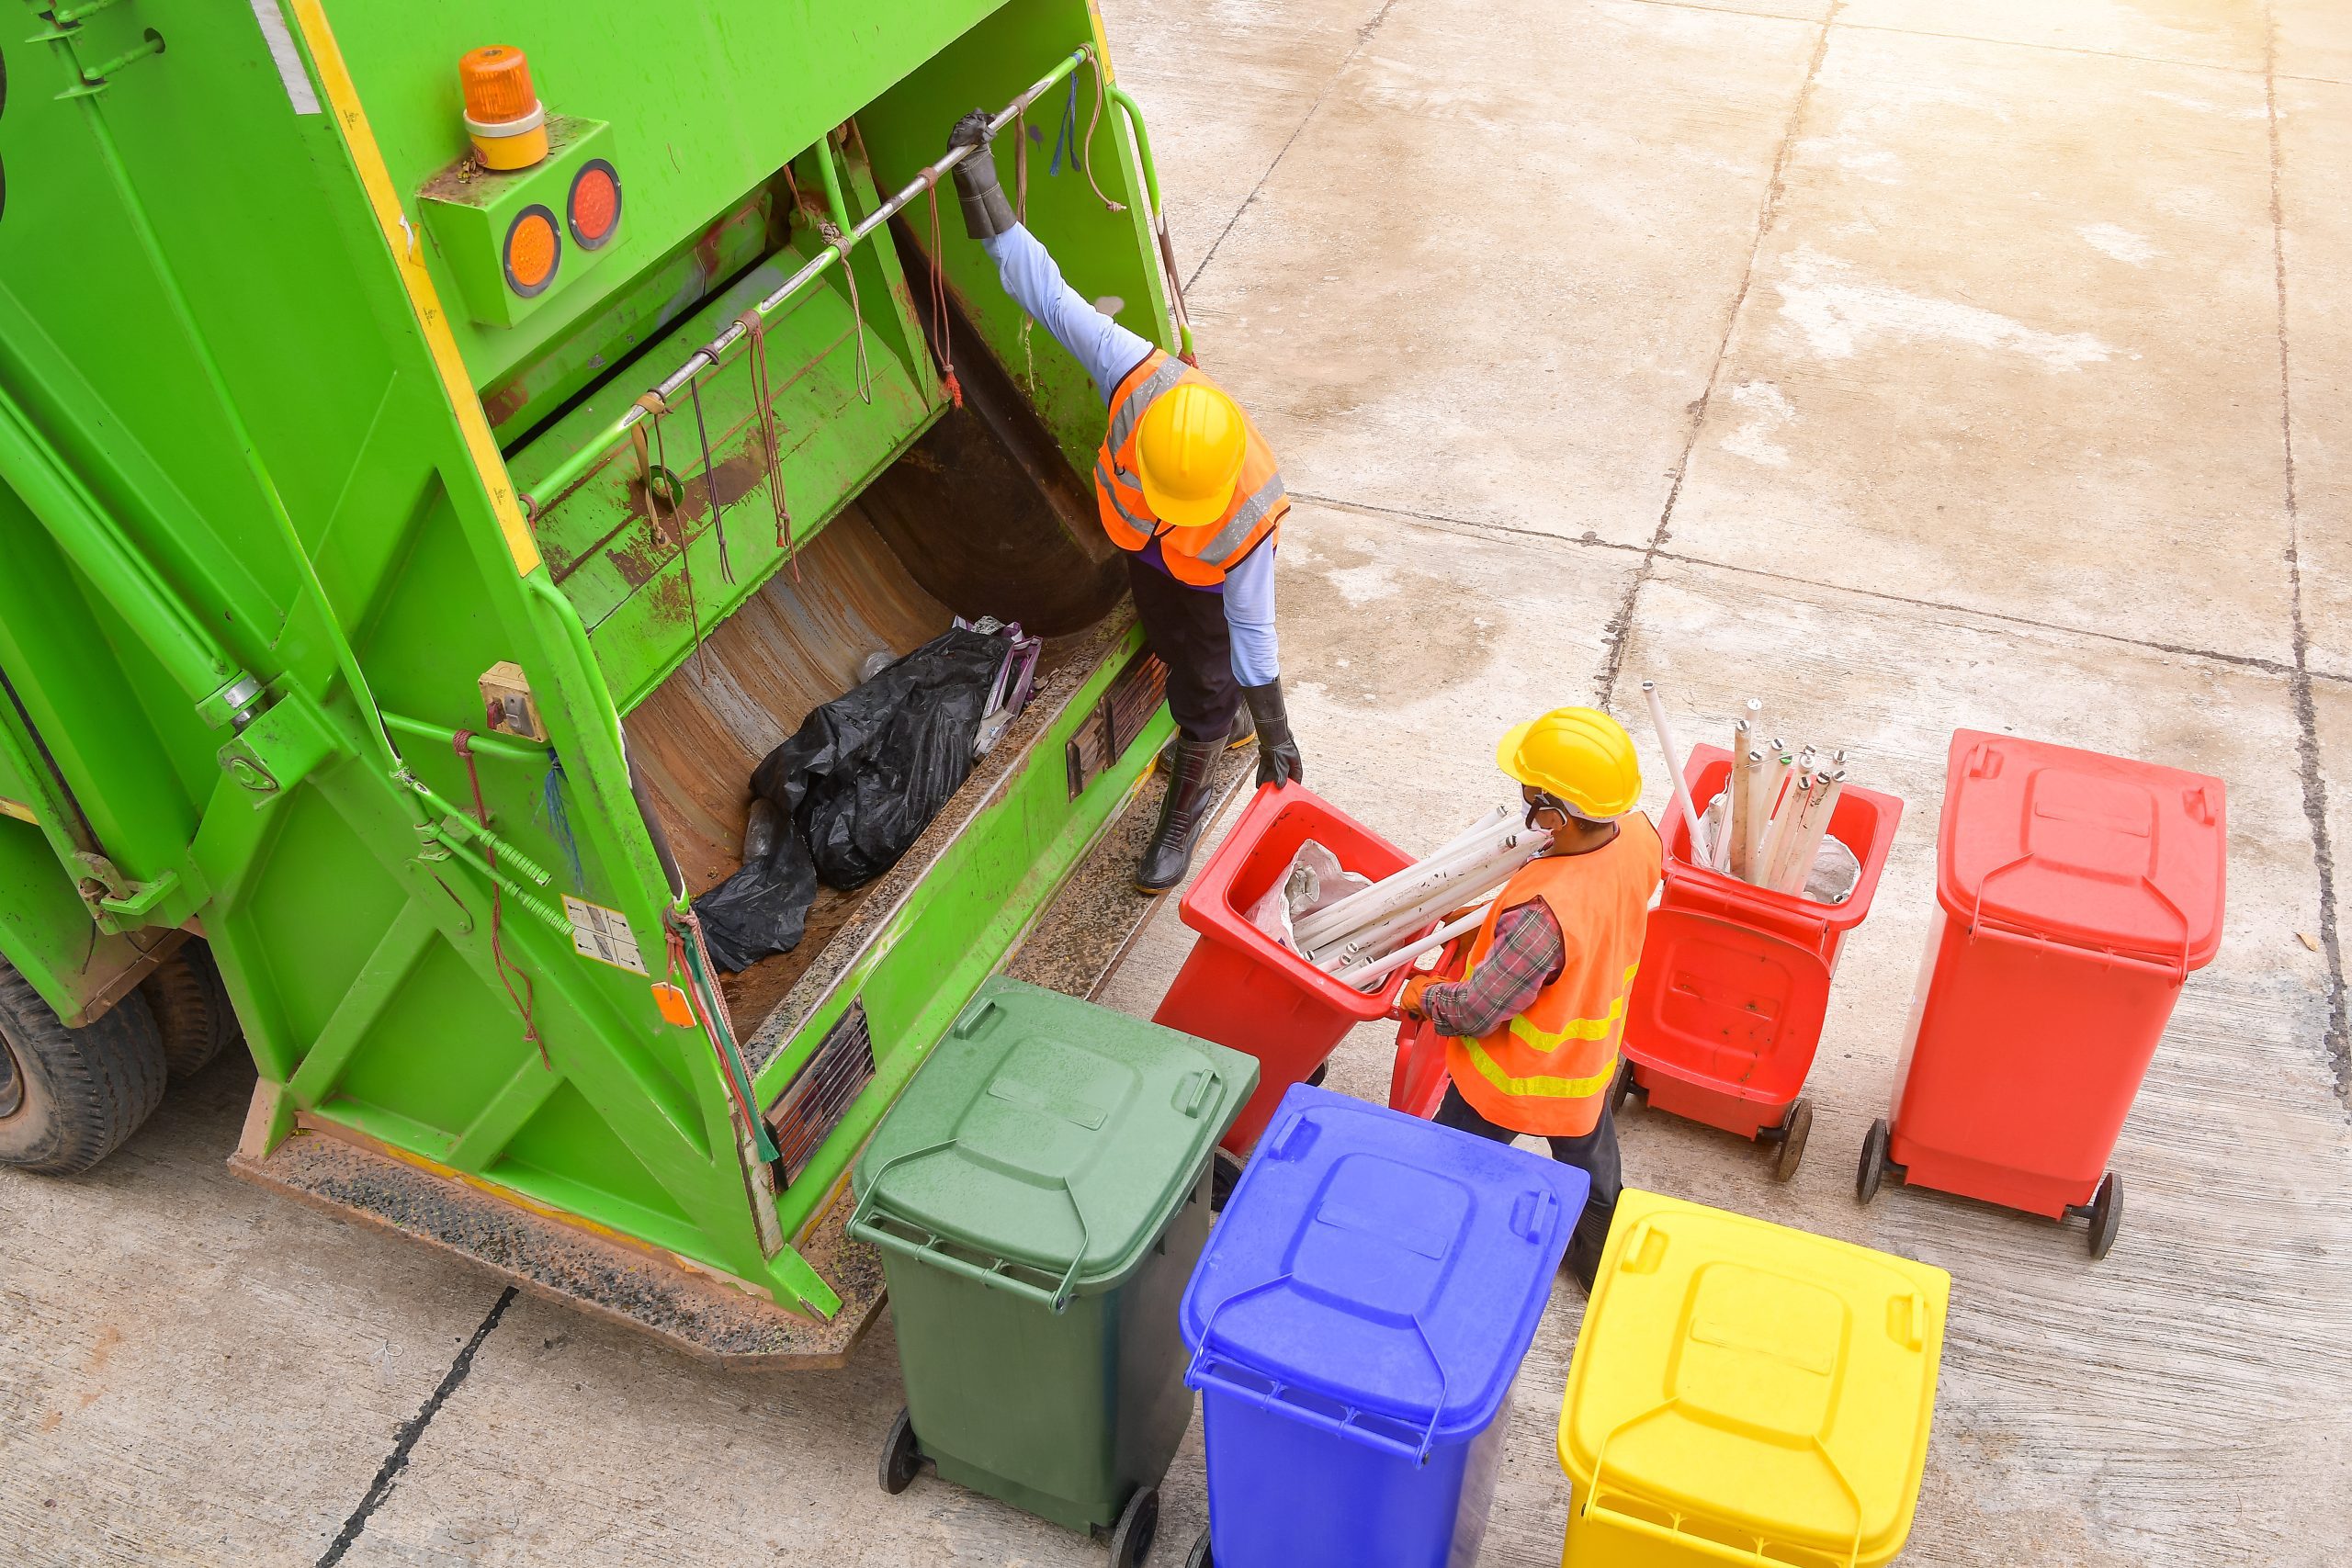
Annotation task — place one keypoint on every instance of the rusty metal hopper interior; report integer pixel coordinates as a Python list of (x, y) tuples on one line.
[(982, 516)]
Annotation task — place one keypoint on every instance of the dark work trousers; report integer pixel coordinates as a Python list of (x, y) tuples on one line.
[(1186, 627), (1595, 1154)]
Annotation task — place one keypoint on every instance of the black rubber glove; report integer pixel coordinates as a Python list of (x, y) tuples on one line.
[(1278, 759), (987, 213)]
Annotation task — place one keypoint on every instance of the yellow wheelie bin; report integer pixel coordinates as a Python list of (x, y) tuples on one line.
[(1744, 1392)]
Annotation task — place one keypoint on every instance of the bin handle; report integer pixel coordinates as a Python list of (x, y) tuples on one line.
[(2178, 964), (1201, 1373), (1701, 1545), (861, 1225), (1193, 1095)]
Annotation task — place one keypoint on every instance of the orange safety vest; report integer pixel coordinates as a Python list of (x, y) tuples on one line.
[(1547, 1071), (1201, 556)]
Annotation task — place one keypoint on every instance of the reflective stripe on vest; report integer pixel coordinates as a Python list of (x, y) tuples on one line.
[(1230, 538), (1132, 407), (1549, 1041), (1539, 1087), (1196, 557), (1548, 1070), (1110, 493)]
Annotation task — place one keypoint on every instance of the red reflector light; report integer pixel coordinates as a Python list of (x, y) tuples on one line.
[(595, 204)]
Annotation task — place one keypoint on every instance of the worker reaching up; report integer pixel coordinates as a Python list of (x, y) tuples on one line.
[(1186, 486), (1533, 1025)]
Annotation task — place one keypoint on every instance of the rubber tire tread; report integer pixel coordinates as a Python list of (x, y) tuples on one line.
[(191, 1008), (87, 1089)]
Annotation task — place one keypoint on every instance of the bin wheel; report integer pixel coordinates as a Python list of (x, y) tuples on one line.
[(1795, 1127), (1315, 1079), (1200, 1554), (2107, 1214), (1138, 1522), (1875, 1165), (1224, 1171), (902, 1459)]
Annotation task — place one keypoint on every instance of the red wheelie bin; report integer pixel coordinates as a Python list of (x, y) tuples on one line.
[(2074, 893), (1417, 1082), (1864, 821), (1241, 988), (1721, 1026), (1726, 1011)]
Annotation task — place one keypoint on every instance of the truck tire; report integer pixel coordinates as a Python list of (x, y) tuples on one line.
[(191, 1009), (69, 1097)]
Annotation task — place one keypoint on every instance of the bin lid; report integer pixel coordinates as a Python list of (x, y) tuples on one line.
[(2085, 849), (1375, 1262), (1726, 1004), (1754, 1381), (1045, 1131)]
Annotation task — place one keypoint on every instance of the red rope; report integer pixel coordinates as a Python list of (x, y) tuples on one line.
[(462, 743), (939, 343)]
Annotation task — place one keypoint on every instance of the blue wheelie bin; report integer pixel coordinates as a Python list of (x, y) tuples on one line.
[(1355, 1325)]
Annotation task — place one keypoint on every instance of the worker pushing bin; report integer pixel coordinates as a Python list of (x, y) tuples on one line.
[(1742, 1393), (1244, 989), (1726, 1012), (1040, 1194), (2074, 893), (1356, 1324)]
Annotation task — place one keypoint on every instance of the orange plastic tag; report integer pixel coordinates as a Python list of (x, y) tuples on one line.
[(675, 1004)]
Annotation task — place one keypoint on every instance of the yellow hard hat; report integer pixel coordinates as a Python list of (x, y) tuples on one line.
[(1189, 454), (1581, 755)]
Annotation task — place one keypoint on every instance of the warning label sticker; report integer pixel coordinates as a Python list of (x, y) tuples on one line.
[(602, 934)]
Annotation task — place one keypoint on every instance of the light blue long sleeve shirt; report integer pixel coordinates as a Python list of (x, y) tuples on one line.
[(1108, 350)]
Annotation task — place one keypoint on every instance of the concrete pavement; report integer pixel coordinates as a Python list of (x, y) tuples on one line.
[(1980, 362)]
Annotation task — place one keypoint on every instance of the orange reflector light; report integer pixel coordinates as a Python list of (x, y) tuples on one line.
[(595, 204), (676, 1007), (497, 83), (533, 248)]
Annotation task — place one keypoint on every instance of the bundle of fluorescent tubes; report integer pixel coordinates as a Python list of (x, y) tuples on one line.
[(1377, 931), (1776, 802)]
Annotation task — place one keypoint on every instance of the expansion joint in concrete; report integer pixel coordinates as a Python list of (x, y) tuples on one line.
[(404, 1440), (2307, 749), (1484, 528), (1363, 36), (1620, 630)]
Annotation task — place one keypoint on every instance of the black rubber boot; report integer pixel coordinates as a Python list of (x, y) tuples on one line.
[(1582, 1262), (1244, 730), (1183, 812)]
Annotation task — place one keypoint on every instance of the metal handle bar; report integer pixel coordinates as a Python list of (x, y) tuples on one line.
[(567, 472)]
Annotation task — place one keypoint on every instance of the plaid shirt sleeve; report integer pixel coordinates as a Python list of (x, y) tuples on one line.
[(1528, 954)]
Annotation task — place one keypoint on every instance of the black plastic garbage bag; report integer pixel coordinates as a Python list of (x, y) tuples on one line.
[(763, 908), (859, 782)]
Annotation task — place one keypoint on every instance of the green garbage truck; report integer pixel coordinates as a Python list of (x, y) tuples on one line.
[(443, 448)]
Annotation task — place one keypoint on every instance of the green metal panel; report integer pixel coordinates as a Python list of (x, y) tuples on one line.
[(264, 545), (470, 212), (852, 388), (708, 100)]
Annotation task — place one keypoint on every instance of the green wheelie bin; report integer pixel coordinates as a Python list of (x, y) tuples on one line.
[(1040, 1193)]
